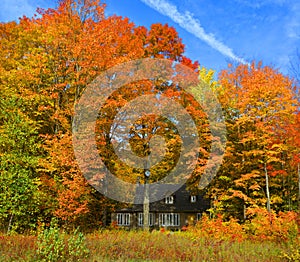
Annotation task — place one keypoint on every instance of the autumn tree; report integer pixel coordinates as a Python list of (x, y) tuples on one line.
[(257, 101), (23, 201), (46, 63)]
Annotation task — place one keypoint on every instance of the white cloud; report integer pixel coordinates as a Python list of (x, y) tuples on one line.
[(192, 25)]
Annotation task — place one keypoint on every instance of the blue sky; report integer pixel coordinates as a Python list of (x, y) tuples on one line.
[(213, 31)]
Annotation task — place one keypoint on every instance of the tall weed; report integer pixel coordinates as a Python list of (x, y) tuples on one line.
[(55, 245)]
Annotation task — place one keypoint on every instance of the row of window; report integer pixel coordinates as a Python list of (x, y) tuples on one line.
[(170, 199), (164, 219)]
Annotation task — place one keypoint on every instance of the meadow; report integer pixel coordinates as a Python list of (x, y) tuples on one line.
[(209, 240)]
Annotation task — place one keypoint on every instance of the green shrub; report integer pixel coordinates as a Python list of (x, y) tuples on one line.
[(55, 245), (77, 248)]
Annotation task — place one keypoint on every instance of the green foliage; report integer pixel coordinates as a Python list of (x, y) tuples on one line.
[(77, 247), (51, 245), (54, 245), (20, 151)]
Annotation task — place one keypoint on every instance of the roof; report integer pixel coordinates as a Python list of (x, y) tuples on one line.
[(182, 202)]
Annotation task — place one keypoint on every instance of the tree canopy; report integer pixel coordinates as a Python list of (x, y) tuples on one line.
[(47, 61)]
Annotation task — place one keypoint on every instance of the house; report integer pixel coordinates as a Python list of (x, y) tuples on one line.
[(176, 210)]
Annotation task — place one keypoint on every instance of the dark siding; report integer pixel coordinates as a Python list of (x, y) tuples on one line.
[(182, 205)]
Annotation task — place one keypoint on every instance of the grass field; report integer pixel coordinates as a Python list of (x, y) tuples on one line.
[(121, 245), (259, 239)]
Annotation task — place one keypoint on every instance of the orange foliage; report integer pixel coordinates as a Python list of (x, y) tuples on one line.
[(283, 227)]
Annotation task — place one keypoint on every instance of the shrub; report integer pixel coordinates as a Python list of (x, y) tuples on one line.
[(77, 248), (54, 245), (219, 229), (276, 227)]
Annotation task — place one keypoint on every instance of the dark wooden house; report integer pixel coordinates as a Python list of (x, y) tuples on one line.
[(176, 210)]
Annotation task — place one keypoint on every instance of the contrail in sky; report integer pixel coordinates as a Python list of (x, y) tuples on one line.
[(192, 25)]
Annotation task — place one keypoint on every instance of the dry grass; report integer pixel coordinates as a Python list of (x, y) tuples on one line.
[(119, 245)]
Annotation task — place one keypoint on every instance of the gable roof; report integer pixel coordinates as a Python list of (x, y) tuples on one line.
[(182, 202)]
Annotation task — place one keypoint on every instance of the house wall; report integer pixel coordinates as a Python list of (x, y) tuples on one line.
[(185, 218), (181, 202)]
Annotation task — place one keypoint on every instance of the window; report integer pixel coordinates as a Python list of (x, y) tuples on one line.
[(169, 200), (169, 219), (123, 219), (141, 219), (193, 199)]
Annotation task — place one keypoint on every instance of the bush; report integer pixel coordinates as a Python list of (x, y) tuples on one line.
[(280, 227), (219, 229), (54, 245)]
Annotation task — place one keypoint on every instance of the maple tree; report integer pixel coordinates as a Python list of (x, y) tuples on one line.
[(258, 101), (46, 63), (293, 160), (21, 146)]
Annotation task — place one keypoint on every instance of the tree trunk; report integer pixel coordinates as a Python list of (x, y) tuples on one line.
[(9, 223), (146, 207), (267, 191), (146, 192)]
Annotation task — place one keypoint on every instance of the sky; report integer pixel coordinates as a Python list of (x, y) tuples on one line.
[(215, 32)]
